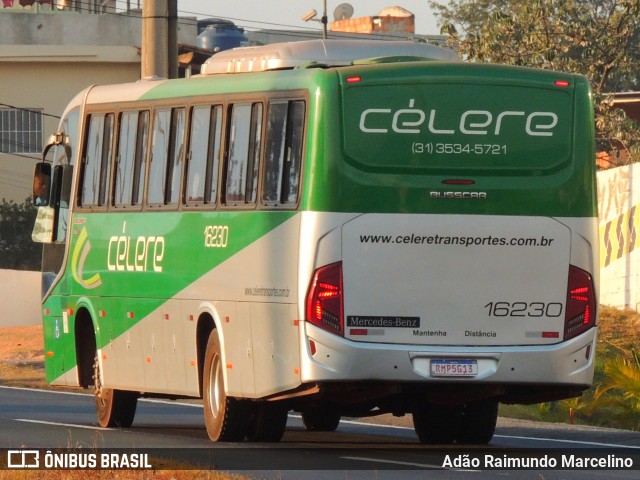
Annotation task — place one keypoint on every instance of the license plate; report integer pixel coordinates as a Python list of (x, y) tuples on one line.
[(454, 368)]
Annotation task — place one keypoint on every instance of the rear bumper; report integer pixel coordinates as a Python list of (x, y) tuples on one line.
[(568, 364)]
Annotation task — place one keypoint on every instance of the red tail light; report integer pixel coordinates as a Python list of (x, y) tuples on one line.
[(324, 300), (581, 303)]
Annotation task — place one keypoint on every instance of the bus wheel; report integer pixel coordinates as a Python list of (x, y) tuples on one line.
[(436, 424), (268, 422), (116, 408), (320, 420), (226, 418), (478, 422)]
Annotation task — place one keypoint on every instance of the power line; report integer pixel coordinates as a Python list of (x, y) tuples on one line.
[(210, 15), (23, 148), (4, 171), (298, 31), (30, 110), (88, 6), (20, 155), (15, 184)]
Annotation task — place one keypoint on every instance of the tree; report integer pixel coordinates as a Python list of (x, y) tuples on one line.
[(596, 38), (467, 16), (17, 250)]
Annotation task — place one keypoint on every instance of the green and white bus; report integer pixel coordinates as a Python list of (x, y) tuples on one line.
[(335, 228)]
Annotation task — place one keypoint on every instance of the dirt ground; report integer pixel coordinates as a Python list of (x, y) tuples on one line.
[(22, 357), (22, 365)]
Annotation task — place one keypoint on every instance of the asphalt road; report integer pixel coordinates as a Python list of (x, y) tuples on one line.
[(36, 419)]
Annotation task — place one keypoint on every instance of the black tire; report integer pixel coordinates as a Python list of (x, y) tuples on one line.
[(115, 408), (320, 420), (226, 418), (478, 422), (268, 422), (437, 424)]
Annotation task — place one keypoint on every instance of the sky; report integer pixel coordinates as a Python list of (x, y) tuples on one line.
[(258, 14)]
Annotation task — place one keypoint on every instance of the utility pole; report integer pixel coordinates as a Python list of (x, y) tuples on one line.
[(324, 20), (159, 39), (172, 47)]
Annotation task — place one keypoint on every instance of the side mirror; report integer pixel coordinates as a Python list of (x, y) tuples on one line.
[(41, 184)]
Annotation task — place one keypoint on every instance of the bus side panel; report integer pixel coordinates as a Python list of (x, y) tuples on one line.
[(127, 364), (262, 337), (276, 359), (54, 342)]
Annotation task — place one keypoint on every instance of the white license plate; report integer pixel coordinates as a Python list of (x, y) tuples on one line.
[(454, 368)]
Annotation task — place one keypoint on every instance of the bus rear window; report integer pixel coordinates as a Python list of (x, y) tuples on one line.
[(474, 127)]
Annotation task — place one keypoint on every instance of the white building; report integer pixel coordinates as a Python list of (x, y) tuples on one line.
[(46, 57)]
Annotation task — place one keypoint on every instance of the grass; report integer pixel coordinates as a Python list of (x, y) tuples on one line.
[(22, 357), (21, 364), (618, 339), (117, 475)]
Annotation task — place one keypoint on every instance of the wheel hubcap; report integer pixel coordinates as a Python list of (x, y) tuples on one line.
[(215, 380)]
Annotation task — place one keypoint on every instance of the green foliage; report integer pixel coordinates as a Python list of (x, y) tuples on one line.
[(596, 38), (467, 16), (619, 393), (614, 401), (17, 250)]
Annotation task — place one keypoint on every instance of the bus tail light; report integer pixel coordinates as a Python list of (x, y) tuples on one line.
[(324, 299), (580, 313)]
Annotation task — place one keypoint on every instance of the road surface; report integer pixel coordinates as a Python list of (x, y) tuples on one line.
[(37, 419)]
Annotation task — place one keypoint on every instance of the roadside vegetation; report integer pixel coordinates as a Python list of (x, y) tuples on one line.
[(614, 400), (596, 38), (17, 251), (169, 474), (22, 365)]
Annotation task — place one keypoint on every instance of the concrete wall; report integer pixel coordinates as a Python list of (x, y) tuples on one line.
[(47, 58), (48, 77), (618, 199), (19, 298), (71, 28), (618, 205), (378, 24)]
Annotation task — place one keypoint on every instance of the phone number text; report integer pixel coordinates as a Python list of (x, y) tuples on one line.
[(431, 148)]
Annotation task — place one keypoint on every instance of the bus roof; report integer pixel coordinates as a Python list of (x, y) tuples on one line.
[(325, 53)]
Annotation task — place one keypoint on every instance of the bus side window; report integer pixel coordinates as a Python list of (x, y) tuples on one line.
[(96, 162), (241, 180), (166, 157), (64, 179), (142, 146), (283, 156), (204, 153), (132, 142), (176, 156), (123, 170)]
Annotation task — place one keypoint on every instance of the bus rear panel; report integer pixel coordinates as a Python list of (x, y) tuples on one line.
[(459, 254), (391, 235)]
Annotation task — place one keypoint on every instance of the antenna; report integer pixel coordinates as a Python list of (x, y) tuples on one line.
[(344, 11)]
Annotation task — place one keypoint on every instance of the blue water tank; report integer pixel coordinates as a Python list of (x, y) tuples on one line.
[(216, 34)]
